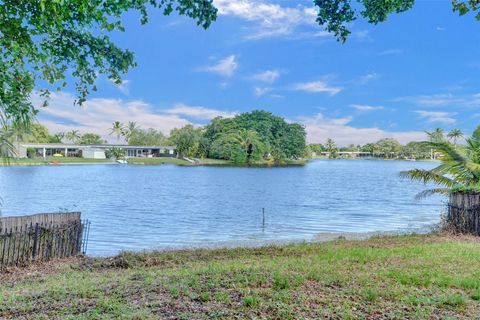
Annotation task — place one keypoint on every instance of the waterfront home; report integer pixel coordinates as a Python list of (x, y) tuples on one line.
[(89, 151)]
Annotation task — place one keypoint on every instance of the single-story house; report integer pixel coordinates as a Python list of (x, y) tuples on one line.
[(32, 150)]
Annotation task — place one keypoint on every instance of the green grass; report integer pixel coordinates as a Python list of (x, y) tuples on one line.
[(181, 162), (158, 161), (142, 161), (206, 162), (48, 160), (408, 277)]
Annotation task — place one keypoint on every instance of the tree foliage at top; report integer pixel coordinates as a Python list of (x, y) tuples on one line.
[(336, 15), (43, 42)]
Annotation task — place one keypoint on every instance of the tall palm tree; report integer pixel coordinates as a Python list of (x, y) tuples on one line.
[(73, 136), (454, 135), (331, 147), (436, 135), (249, 141), (118, 129), (58, 137)]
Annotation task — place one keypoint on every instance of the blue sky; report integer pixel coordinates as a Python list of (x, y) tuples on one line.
[(416, 72)]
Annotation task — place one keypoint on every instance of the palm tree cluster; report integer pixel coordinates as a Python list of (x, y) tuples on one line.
[(120, 130), (73, 136)]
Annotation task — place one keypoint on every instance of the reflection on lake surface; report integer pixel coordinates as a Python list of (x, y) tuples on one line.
[(146, 207)]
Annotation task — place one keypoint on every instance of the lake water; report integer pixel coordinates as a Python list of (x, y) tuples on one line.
[(147, 207)]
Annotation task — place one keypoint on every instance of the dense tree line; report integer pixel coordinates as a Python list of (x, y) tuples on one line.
[(245, 138), (390, 148)]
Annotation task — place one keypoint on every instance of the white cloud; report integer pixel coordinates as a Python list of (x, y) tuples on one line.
[(366, 108), (317, 87), (269, 20), (319, 128), (437, 116), (259, 91), (440, 29), (366, 78), (444, 99), (436, 100), (225, 67), (361, 35), (388, 52), (98, 114), (199, 112), (269, 76)]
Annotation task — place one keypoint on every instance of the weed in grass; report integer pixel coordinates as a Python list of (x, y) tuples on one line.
[(475, 295), (174, 292), (204, 296), (370, 294), (454, 300), (314, 276), (219, 314), (411, 278), (281, 310), (222, 297), (418, 301), (280, 282), (283, 296), (469, 283), (298, 280), (251, 301)]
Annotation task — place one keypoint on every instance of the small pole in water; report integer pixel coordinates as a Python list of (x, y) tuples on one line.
[(263, 218)]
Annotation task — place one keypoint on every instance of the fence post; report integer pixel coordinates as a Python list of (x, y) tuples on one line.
[(35, 241), (4, 240)]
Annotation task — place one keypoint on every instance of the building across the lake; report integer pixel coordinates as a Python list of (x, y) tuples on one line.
[(90, 151)]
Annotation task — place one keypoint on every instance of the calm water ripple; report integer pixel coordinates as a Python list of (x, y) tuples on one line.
[(146, 207)]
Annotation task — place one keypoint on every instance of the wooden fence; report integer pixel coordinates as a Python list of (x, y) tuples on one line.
[(41, 237)]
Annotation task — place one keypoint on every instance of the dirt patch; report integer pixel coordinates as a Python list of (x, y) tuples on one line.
[(12, 275)]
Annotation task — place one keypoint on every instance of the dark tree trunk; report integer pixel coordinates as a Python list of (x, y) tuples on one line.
[(463, 212)]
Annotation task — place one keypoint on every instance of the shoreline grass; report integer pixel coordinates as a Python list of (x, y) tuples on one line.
[(54, 160), (394, 277), (144, 161)]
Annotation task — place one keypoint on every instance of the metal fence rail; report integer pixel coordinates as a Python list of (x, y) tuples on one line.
[(44, 237)]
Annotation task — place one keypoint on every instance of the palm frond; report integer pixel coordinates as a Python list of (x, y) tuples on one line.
[(448, 151), (427, 176), (429, 192)]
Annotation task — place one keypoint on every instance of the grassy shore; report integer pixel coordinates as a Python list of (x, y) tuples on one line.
[(143, 161), (180, 162), (407, 277), (211, 162), (50, 160)]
